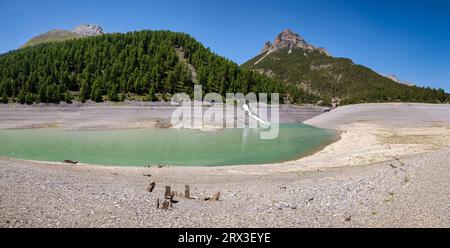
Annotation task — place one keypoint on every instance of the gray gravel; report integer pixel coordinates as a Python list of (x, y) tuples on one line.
[(416, 194)]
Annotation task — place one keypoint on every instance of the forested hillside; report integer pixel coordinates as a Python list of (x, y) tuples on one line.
[(153, 65), (147, 65), (302, 66)]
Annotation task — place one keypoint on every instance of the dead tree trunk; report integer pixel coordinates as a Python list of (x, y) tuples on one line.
[(151, 186), (187, 192), (168, 192)]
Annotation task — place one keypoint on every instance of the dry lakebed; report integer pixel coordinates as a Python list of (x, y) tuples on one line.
[(389, 168)]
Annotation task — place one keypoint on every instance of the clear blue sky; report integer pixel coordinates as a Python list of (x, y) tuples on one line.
[(408, 38)]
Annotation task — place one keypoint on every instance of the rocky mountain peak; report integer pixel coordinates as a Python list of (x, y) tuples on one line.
[(88, 29), (289, 39)]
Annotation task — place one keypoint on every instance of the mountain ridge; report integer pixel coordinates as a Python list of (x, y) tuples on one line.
[(140, 65), (153, 65), (302, 66), (289, 39), (58, 35)]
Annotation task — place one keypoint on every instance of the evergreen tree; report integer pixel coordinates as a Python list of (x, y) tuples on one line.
[(151, 95), (96, 94), (21, 97), (42, 96), (112, 94), (29, 99), (4, 98), (68, 97), (84, 92)]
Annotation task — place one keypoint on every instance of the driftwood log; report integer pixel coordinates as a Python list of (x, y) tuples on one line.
[(70, 162), (215, 197)]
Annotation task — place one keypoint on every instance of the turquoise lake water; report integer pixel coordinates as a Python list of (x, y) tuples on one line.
[(142, 147)]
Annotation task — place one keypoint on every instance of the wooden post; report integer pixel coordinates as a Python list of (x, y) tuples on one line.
[(168, 192), (151, 186), (187, 192), (157, 203)]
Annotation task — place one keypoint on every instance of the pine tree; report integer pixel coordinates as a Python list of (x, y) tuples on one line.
[(84, 92), (29, 99), (151, 95), (169, 83), (4, 98), (68, 97), (112, 94), (42, 97), (96, 94), (137, 87), (21, 97)]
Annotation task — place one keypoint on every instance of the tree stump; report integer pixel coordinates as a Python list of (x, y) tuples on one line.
[(215, 197), (151, 186), (166, 205), (187, 192), (168, 192)]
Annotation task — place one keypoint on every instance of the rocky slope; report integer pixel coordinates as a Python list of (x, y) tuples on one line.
[(57, 35), (396, 79), (291, 40)]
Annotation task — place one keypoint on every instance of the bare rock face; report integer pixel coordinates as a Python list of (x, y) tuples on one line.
[(291, 40), (88, 30), (397, 80), (267, 47), (287, 38)]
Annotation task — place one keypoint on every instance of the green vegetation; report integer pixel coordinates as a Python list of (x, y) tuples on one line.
[(4, 98), (327, 77), (153, 65), (68, 97), (141, 64), (112, 94)]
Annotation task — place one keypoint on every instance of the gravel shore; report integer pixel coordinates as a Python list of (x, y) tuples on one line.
[(108, 116), (389, 169)]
